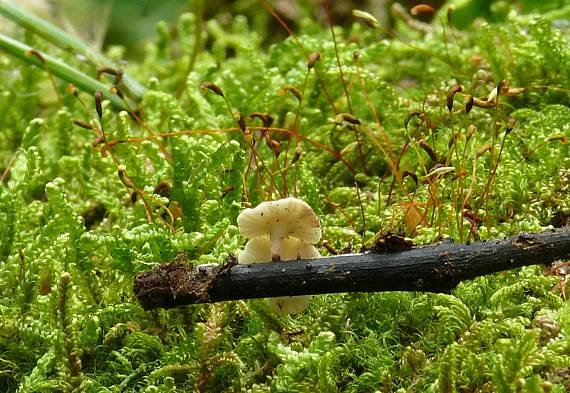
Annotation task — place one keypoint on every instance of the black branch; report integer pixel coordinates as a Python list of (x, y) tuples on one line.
[(434, 268)]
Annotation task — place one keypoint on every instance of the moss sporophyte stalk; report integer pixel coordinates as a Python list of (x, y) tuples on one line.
[(393, 124)]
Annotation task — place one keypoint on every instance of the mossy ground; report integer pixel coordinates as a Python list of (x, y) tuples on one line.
[(78, 221)]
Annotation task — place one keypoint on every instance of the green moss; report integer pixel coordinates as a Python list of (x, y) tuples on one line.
[(76, 226)]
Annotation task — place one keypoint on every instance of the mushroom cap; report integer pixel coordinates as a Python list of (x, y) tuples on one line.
[(256, 251), (289, 304), (289, 217)]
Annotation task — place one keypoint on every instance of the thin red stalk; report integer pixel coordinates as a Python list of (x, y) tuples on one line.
[(296, 40), (295, 128), (329, 16), (334, 153)]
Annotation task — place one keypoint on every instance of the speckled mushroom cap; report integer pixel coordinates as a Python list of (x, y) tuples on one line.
[(284, 218)]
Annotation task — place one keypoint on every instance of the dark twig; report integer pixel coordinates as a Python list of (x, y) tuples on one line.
[(434, 268)]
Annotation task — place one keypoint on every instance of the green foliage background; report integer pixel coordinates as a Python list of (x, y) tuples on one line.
[(73, 236)]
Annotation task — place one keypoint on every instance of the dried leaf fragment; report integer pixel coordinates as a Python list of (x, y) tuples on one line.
[(439, 171)]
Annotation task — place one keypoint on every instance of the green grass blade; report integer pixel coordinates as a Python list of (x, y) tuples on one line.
[(59, 69), (60, 38)]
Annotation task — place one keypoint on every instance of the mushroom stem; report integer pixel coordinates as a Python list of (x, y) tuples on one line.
[(276, 237)]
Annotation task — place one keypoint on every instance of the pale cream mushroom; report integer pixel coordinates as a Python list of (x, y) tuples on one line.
[(280, 230), (281, 219), (293, 249), (256, 250)]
